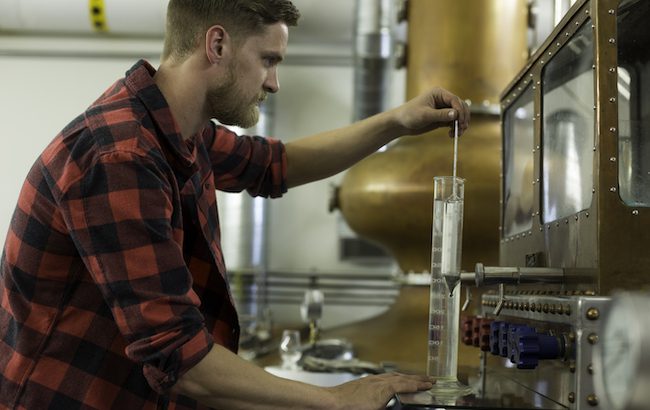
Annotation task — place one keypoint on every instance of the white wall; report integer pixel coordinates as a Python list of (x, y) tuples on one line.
[(40, 95)]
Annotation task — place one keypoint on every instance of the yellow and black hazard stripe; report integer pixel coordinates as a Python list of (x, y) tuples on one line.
[(97, 12)]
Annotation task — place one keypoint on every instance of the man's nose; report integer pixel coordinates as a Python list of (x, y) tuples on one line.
[(272, 83)]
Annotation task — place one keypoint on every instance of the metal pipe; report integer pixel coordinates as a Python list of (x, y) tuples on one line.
[(373, 56), (244, 235), (491, 275)]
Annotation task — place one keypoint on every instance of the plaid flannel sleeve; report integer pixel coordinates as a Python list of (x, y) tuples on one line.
[(241, 162), (119, 213)]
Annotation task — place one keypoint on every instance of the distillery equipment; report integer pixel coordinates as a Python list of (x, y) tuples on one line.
[(473, 49), (552, 329)]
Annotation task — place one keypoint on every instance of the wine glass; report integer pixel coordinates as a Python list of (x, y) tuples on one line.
[(290, 349)]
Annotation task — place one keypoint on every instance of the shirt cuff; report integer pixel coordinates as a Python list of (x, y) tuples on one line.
[(162, 378)]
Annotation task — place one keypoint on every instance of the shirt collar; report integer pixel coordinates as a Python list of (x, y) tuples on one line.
[(139, 80)]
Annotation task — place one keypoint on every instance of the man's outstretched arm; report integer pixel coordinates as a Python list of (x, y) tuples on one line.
[(325, 154), (223, 380)]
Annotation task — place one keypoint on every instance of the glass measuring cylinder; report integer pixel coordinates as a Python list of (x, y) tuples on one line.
[(444, 296)]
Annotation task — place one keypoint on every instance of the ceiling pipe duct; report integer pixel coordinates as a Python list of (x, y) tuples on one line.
[(374, 47), (119, 17), (323, 36)]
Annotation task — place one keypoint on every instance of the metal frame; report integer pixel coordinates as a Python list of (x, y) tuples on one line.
[(606, 239)]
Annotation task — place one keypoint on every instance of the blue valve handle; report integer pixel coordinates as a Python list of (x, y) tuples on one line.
[(527, 347), (494, 337), (522, 344)]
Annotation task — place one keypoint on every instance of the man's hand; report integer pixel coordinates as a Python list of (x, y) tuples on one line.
[(374, 392), (431, 110)]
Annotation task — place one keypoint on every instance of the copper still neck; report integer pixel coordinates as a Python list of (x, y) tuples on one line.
[(472, 48)]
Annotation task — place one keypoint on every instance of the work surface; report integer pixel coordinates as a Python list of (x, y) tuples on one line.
[(500, 393)]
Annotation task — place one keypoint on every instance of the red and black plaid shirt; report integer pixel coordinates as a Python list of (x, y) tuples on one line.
[(112, 278)]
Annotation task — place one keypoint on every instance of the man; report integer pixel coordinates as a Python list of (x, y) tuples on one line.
[(114, 292)]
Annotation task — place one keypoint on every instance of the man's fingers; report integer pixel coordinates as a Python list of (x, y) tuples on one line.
[(409, 383)]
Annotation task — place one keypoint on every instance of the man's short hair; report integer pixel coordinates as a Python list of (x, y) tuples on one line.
[(188, 20)]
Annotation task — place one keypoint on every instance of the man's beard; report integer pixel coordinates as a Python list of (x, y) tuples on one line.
[(229, 107)]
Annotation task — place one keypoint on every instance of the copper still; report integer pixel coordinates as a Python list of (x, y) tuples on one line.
[(472, 48)]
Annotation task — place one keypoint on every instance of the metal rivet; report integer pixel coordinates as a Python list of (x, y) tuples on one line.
[(635, 212), (572, 366), (592, 400), (592, 339), (612, 41), (612, 129), (612, 189), (612, 100), (558, 44), (541, 61), (590, 368), (611, 11), (612, 159), (612, 70), (593, 314), (572, 397), (587, 214), (593, 66)]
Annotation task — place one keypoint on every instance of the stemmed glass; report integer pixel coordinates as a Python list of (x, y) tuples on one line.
[(290, 350)]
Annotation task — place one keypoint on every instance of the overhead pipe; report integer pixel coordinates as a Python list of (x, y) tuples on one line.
[(119, 17)]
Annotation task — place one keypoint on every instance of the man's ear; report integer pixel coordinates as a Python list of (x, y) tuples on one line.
[(216, 42)]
